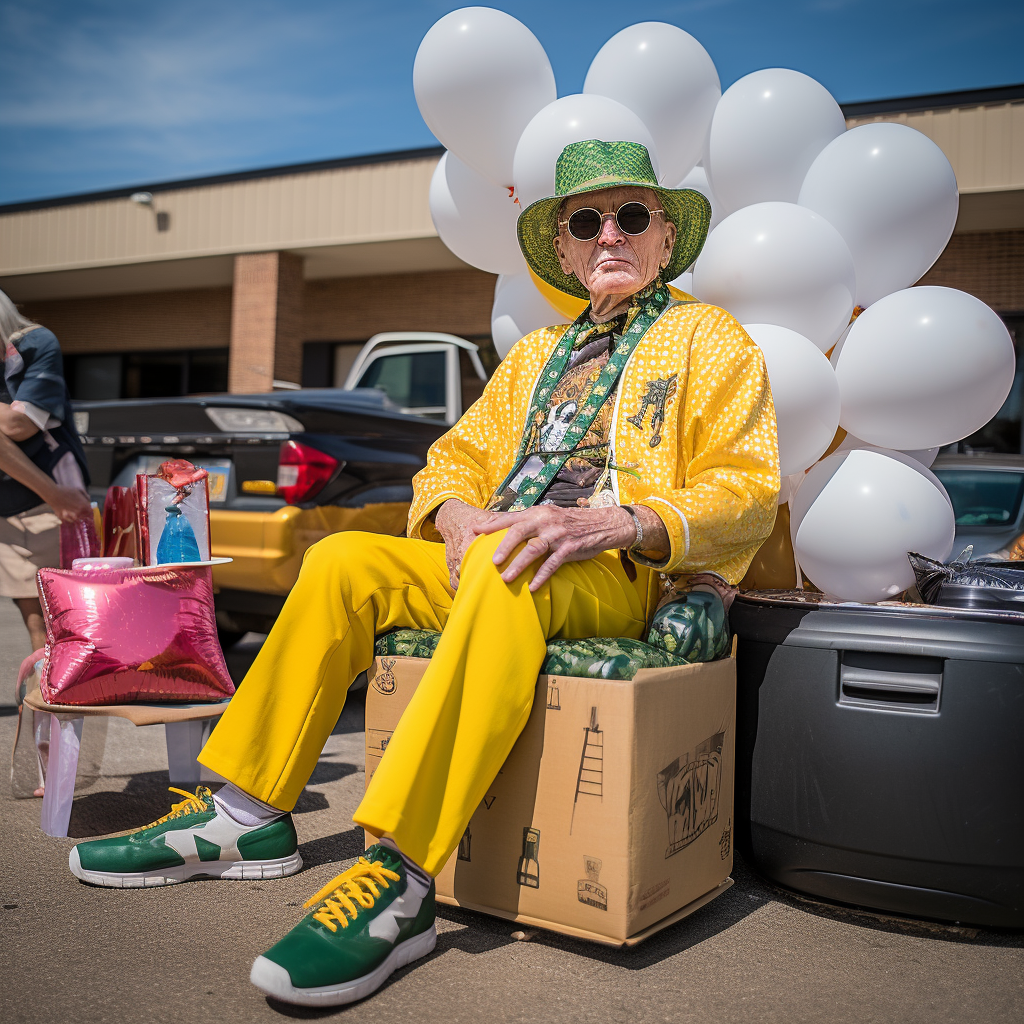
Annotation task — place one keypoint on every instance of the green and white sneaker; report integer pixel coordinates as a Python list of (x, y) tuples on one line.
[(192, 841), (362, 926)]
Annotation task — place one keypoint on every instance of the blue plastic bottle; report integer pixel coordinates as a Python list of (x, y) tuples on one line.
[(178, 541)]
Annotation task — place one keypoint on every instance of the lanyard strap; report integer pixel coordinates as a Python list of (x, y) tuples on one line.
[(646, 308)]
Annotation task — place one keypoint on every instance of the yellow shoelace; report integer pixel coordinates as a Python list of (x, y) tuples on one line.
[(339, 900), (194, 803)]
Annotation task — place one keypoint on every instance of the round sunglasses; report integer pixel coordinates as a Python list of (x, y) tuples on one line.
[(585, 225)]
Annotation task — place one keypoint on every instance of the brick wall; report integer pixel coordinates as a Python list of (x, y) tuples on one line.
[(199, 318), (353, 308), (988, 264), (253, 322), (334, 309), (266, 321)]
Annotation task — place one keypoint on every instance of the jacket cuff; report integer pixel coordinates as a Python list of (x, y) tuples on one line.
[(420, 528), (678, 533)]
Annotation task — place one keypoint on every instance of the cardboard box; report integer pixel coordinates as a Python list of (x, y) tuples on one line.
[(612, 816)]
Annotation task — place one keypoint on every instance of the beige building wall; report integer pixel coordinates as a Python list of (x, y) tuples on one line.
[(342, 206)]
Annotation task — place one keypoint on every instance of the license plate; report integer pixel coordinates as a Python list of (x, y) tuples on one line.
[(218, 481)]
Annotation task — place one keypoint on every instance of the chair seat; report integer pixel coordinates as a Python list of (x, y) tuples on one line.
[(137, 714)]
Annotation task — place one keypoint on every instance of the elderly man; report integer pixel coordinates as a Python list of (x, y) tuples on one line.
[(638, 441)]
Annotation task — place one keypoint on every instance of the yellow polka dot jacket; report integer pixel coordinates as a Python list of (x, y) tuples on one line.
[(710, 469)]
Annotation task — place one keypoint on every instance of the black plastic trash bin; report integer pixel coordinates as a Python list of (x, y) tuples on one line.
[(880, 754)]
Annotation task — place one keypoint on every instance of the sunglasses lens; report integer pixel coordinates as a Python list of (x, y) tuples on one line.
[(585, 225), (634, 218)]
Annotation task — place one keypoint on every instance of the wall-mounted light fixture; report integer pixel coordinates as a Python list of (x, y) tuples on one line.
[(163, 219)]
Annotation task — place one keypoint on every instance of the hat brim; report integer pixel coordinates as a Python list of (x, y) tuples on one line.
[(538, 224)]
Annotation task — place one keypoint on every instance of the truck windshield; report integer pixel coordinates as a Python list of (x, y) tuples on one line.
[(414, 381), (983, 497)]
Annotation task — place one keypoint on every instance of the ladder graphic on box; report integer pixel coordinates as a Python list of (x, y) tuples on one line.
[(590, 778)]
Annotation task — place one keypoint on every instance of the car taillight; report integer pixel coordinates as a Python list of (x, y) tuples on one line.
[(302, 471)]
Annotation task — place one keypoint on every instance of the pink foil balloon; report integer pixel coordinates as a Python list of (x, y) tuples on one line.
[(78, 540), (127, 635)]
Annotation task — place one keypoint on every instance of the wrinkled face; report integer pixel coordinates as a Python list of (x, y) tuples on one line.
[(615, 263)]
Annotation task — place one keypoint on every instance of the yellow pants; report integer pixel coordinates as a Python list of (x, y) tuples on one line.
[(468, 710)]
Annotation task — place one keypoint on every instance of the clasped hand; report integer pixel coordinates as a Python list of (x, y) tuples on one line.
[(549, 534)]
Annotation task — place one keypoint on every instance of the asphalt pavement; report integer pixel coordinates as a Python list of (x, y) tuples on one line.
[(74, 953)]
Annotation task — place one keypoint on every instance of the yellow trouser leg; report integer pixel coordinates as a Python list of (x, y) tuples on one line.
[(477, 693), (352, 587), (471, 705)]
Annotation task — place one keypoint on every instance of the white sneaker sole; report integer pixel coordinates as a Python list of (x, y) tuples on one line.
[(273, 980), (237, 869)]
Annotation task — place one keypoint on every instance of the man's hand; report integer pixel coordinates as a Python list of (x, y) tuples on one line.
[(69, 503), (558, 535), (455, 521)]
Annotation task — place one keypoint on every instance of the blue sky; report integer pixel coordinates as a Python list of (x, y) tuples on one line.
[(105, 93)]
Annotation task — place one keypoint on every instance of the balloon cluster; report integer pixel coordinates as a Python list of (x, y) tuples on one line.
[(485, 88), (811, 222)]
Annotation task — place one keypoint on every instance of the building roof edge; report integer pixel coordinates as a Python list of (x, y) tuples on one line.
[(935, 101), (222, 179)]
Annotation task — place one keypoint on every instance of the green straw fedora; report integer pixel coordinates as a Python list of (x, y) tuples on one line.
[(593, 165)]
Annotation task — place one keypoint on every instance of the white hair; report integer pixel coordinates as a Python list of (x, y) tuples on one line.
[(11, 321)]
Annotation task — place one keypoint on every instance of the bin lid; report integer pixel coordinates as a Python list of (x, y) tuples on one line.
[(811, 619)]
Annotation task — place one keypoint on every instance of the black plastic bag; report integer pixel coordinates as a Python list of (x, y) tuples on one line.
[(966, 584)]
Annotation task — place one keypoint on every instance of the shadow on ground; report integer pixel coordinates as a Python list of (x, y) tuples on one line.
[(143, 799), (338, 847), (895, 924), (750, 892)]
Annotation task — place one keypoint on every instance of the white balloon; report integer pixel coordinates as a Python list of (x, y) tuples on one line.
[(891, 193), (926, 456), (779, 263), (697, 179), (479, 76), (856, 516), (767, 129), (669, 81), (575, 118), (805, 393), (518, 310), (923, 367), (475, 219)]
